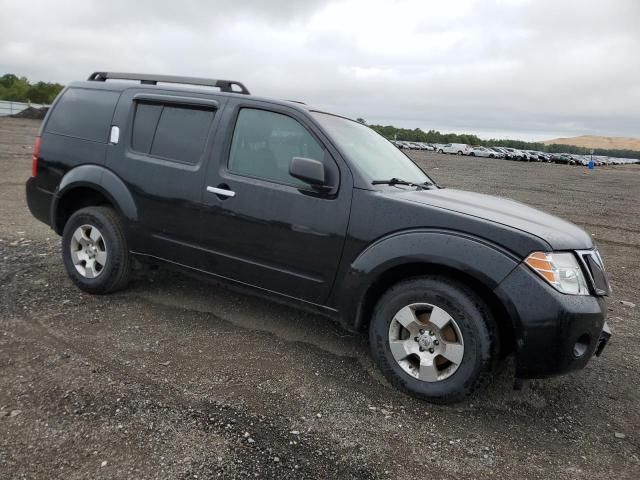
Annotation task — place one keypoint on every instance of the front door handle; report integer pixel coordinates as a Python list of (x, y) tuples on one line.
[(221, 192)]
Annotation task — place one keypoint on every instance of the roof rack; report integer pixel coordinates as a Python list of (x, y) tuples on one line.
[(148, 79)]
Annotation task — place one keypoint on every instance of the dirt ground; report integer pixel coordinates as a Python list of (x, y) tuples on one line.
[(173, 378)]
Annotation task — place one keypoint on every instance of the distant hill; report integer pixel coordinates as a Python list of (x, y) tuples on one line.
[(594, 141)]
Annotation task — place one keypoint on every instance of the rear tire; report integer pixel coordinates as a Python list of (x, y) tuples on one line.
[(456, 354), (95, 251), (459, 152)]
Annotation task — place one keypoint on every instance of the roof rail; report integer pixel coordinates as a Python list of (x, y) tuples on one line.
[(149, 79)]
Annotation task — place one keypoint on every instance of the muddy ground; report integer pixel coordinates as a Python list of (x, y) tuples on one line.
[(173, 378)]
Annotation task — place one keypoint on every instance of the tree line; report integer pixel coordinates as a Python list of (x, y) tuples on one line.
[(433, 136), (19, 89)]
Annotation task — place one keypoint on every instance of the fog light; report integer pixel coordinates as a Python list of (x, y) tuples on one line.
[(581, 346)]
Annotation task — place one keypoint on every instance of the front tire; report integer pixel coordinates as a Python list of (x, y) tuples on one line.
[(433, 338), (95, 251), (440, 151)]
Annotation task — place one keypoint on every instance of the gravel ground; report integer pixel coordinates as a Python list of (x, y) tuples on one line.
[(173, 378)]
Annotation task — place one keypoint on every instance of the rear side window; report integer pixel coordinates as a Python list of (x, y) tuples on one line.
[(84, 113), (144, 126), (265, 142), (170, 131)]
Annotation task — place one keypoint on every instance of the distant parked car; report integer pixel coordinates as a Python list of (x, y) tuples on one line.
[(544, 157), (563, 158), (412, 146), (496, 152), (516, 154), (426, 146), (531, 155), (455, 148), (505, 152), (481, 152)]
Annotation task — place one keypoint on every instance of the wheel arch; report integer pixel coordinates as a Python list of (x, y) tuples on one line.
[(469, 260), (90, 185), (407, 271)]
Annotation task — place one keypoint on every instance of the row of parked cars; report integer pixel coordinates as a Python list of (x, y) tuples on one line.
[(403, 145), (514, 154)]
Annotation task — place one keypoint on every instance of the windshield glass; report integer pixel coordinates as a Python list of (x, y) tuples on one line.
[(375, 157)]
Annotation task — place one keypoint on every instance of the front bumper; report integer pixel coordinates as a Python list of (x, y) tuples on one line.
[(605, 335), (554, 333)]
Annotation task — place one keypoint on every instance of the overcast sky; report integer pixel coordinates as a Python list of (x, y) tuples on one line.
[(517, 69)]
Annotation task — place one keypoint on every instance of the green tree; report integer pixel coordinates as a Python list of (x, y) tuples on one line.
[(19, 89)]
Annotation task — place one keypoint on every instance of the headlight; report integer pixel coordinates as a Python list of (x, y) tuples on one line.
[(560, 270)]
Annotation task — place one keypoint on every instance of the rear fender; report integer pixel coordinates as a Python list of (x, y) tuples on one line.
[(102, 180)]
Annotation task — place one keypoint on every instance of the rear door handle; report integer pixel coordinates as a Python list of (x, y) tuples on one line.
[(224, 192)]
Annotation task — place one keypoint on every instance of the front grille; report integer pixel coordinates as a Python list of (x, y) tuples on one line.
[(594, 266)]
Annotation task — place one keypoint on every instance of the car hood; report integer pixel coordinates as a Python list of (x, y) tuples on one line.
[(558, 233)]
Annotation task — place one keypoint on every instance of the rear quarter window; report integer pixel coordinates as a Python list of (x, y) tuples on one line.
[(144, 126), (172, 132), (84, 113)]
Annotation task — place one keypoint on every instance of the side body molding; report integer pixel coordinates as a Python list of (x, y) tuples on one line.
[(102, 180), (475, 257)]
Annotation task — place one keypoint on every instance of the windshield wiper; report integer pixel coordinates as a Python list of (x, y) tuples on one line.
[(398, 181)]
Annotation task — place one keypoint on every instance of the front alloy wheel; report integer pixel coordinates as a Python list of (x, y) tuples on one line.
[(426, 342), (434, 337)]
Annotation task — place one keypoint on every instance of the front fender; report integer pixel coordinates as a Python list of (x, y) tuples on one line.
[(475, 257), (102, 180)]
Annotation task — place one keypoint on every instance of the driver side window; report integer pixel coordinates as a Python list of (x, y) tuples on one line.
[(264, 143)]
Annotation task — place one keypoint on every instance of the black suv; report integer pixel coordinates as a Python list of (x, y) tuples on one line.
[(319, 210)]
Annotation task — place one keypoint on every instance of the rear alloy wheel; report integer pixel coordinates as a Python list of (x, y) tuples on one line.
[(434, 338), (88, 251), (94, 250), (459, 152)]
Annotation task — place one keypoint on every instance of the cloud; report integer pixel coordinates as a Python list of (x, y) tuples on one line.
[(534, 69)]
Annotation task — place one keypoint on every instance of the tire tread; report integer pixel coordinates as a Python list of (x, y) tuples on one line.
[(488, 364), (121, 261)]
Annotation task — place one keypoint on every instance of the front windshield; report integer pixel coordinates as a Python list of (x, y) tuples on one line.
[(369, 152)]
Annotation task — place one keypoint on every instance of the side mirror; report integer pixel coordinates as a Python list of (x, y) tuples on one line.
[(309, 171)]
